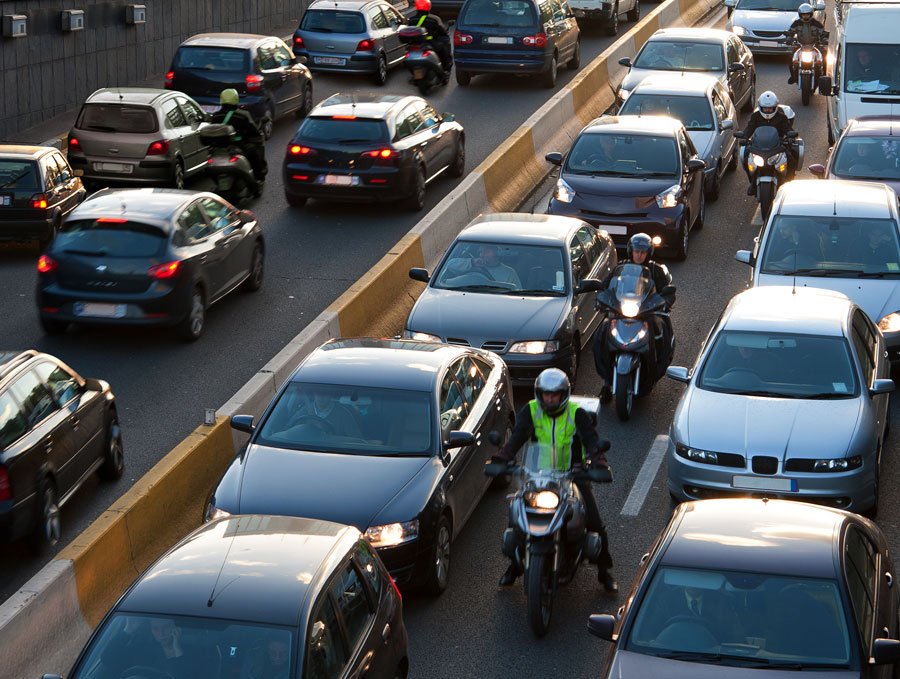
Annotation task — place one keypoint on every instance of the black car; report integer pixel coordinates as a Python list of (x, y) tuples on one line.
[(515, 36), (148, 257), (517, 284), (270, 80), (731, 587), (255, 596), (632, 174), (389, 436), (372, 147), (37, 190), (56, 430)]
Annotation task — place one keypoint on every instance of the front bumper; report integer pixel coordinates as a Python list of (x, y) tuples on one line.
[(407, 561), (766, 45), (525, 368)]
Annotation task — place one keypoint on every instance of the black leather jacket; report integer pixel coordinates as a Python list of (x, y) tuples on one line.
[(242, 122), (807, 32), (779, 121)]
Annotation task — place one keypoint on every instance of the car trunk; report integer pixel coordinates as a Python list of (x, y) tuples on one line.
[(116, 130), (20, 181), (332, 31), (340, 143), (499, 32), (206, 71)]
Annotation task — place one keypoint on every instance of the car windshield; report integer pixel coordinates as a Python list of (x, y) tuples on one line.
[(694, 112), (19, 174), (332, 21), (872, 69), (779, 365), (122, 118), (768, 5), (873, 158), (623, 155), (343, 130), (839, 247), (212, 59), (752, 620), (109, 238), (350, 419), (662, 55), (496, 13), (503, 269), (132, 646)]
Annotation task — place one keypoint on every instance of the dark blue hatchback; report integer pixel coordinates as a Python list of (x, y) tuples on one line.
[(515, 36)]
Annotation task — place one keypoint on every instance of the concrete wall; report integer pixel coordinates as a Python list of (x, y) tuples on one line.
[(49, 72)]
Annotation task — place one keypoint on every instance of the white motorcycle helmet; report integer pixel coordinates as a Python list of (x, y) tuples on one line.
[(805, 11), (767, 104)]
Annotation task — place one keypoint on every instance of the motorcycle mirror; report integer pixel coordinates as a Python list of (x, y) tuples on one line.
[(792, 134), (818, 169), (602, 626), (739, 134), (495, 438), (554, 158)]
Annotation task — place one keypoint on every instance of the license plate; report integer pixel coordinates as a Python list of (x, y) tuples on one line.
[(122, 168), (209, 108), (339, 180), (614, 230), (99, 310), (764, 483), (5, 201), (498, 41), (418, 73), (769, 43), (330, 61)]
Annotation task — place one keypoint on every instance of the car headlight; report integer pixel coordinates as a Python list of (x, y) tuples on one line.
[(890, 323), (564, 193), (212, 513), (669, 197), (535, 347), (421, 336), (630, 308), (840, 465), (739, 30), (542, 499), (695, 455), (392, 534), (806, 57)]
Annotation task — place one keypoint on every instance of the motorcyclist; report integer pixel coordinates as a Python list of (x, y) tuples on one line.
[(438, 37), (552, 419), (768, 113), (248, 138), (807, 31), (640, 251)]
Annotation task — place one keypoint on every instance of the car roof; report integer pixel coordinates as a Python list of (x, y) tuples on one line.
[(783, 308), (364, 105), (870, 23), (836, 197), (348, 5), (244, 40), (23, 151), (521, 228), (762, 536), (154, 205), (126, 95), (377, 362), (873, 125), (695, 34), (11, 359), (634, 125), (252, 568), (678, 84)]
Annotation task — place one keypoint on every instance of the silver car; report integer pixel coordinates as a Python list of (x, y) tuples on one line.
[(761, 24), (788, 398), (702, 103), (349, 36)]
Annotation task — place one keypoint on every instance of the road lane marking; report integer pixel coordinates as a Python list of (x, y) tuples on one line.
[(645, 477)]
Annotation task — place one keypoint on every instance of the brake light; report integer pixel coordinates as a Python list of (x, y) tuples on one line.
[(300, 177), (170, 76), (111, 220), (253, 82), (158, 148), (365, 45), (5, 485), (537, 40), (167, 270), (46, 264), (233, 159), (426, 53), (298, 41), (462, 38), (380, 153), (74, 143), (297, 150), (39, 201), (343, 117)]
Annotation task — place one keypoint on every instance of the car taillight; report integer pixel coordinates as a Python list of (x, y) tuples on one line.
[(74, 144), (167, 270), (46, 264), (158, 148), (5, 485), (396, 589), (462, 38), (537, 40), (380, 153), (253, 82), (39, 201), (365, 45), (298, 41), (298, 150), (170, 76)]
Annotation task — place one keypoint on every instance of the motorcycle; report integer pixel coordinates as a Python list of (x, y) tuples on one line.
[(632, 305), (768, 162), (422, 62), (548, 539), (809, 66), (227, 166)]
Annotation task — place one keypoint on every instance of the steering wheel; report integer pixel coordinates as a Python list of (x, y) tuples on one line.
[(146, 672), (693, 123), (675, 619), (735, 372), (317, 422)]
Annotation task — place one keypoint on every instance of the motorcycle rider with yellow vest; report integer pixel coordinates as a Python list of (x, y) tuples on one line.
[(568, 438)]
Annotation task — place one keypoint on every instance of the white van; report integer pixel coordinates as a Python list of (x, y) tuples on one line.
[(865, 53)]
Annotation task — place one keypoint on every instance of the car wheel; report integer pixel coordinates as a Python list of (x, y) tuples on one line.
[(872, 512), (381, 71), (634, 14), (416, 200), (458, 169), (267, 124), (463, 78), (681, 249), (548, 79), (191, 327), (296, 201), (438, 575), (751, 99), (700, 221), (830, 131), (51, 234), (613, 26), (257, 268), (51, 326), (307, 106), (733, 161), (502, 482), (712, 191), (114, 453), (178, 175), (575, 62), (47, 528)]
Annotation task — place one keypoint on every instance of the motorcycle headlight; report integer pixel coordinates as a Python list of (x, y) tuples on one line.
[(564, 193), (890, 323), (212, 513), (806, 57), (840, 465), (421, 336), (542, 499), (392, 534), (534, 347), (669, 197), (630, 308), (754, 161), (739, 30), (779, 159)]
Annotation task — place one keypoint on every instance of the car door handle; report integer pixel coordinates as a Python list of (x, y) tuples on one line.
[(48, 446), (75, 422), (386, 632), (201, 259), (889, 578)]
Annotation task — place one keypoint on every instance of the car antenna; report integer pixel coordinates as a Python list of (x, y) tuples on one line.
[(794, 283), (212, 594)]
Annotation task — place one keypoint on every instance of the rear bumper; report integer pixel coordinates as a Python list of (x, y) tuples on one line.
[(26, 229), (373, 184), (602, 13), (366, 63), (154, 307), (255, 106), (517, 62), (142, 171)]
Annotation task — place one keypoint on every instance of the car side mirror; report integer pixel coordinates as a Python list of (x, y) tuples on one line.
[(826, 86), (447, 117), (881, 387), (602, 626), (678, 373), (818, 169), (419, 274), (744, 257), (695, 165), (625, 61), (727, 124), (730, 3), (820, 6), (242, 423), (736, 67), (554, 158), (459, 439), (886, 651), (588, 285), (668, 290), (247, 216)]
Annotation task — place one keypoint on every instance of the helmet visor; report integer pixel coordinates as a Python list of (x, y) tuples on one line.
[(768, 110)]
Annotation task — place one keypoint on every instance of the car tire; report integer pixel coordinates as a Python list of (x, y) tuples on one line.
[(381, 71), (113, 453), (634, 15), (191, 327), (437, 577), (52, 326), (463, 78), (458, 168), (574, 63), (733, 161), (307, 104), (751, 99), (47, 530), (681, 249), (267, 123), (612, 27), (872, 512), (700, 221), (51, 234), (830, 132), (416, 200), (257, 270), (712, 193), (548, 78), (178, 175), (295, 201)]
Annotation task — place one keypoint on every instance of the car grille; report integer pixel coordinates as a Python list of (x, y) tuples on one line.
[(763, 464), (457, 341), (617, 215), (494, 345), (769, 34)]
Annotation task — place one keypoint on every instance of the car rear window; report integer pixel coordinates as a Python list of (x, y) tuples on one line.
[(123, 118), (18, 174), (109, 238), (498, 13), (694, 112), (343, 130), (212, 59), (332, 21)]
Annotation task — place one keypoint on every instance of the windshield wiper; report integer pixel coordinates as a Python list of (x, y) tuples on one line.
[(351, 141), (594, 172), (719, 658), (824, 395), (825, 272), (487, 25), (651, 174), (536, 293), (15, 179), (762, 392), (478, 287)]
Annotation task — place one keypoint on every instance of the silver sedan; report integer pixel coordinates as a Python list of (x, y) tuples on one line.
[(789, 398)]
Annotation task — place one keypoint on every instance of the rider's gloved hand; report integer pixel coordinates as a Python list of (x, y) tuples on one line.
[(499, 460)]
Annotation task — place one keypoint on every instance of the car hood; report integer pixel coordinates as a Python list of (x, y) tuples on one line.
[(795, 428), (479, 317), (627, 665), (878, 298), (624, 192), (762, 21), (636, 75), (703, 141)]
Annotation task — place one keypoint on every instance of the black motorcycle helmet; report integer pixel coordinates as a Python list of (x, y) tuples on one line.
[(552, 380), (642, 243)]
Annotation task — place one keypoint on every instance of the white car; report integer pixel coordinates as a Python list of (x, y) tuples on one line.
[(761, 24)]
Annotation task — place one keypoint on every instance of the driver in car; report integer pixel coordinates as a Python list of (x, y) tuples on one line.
[(333, 416), (487, 263)]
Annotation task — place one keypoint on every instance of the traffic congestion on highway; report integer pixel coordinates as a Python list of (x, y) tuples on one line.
[(676, 360)]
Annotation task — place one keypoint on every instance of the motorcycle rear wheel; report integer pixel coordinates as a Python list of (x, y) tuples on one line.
[(625, 396), (539, 592)]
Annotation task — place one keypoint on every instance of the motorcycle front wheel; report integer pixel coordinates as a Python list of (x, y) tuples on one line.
[(805, 88), (539, 592), (625, 396), (766, 194)]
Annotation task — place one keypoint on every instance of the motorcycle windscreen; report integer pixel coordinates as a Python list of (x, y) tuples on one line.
[(544, 460), (766, 138), (632, 285)]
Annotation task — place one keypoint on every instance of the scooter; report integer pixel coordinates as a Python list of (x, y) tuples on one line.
[(767, 160), (227, 166), (632, 305), (421, 61), (548, 539), (809, 66)]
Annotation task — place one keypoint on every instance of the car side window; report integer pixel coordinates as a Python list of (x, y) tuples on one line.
[(378, 19), (413, 118), (471, 380), (546, 12), (429, 117), (65, 170), (172, 113), (353, 604), (368, 564), (393, 16), (51, 172), (13, 425), (61, 382), (589, 243), (580, 265), (719, 107), (732, 52), (453, 408), (37, 401), (193, 224), (192, 112), (838, 65), (860, 569), (326, 655), (266, 55), (220, 215), (865, 348), (283, 55)]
